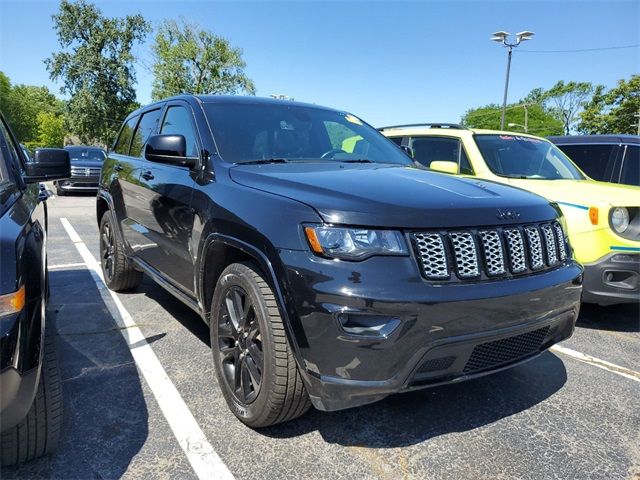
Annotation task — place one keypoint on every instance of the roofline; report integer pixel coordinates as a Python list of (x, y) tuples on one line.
[(452, 126)]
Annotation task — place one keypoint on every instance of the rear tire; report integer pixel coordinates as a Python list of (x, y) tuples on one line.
[(248, 335), (118, 273), (39, 432), (59, 191)]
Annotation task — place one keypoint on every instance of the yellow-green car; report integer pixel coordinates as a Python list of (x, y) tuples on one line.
[(603, 219)]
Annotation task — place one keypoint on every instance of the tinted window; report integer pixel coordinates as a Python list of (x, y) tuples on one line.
[(177, 121), (124, 139), (147, 127), (592, 159), (514, 156), (85, 154), (8, 157), (249, 132), (631, 167), (430, 149), (396, 140)]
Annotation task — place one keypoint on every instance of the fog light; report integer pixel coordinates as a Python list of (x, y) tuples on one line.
[(368, 325)]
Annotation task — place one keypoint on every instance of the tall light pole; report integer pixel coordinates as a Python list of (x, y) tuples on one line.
[(503, 38)]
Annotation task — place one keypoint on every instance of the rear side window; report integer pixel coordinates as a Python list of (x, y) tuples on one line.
[(431, 149), (396, 140), (124, 139), (177, 121), (592, 159), (147, 127), (631, 166)]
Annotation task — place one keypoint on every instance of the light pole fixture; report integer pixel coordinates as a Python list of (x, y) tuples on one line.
[(503, 38)]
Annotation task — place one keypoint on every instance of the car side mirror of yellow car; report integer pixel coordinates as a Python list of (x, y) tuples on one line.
[(444, 166)]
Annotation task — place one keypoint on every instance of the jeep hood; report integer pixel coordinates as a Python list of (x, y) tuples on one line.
[(394, 196)]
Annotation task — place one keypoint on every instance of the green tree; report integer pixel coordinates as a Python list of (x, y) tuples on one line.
[(567, 100), (95, 65), (21, 104), (191, 60), (540, 121), (50, 130), (613, 111)]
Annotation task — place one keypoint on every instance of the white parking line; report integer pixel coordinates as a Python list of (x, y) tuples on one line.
[(596, 362), (205, 461), (64, 266)]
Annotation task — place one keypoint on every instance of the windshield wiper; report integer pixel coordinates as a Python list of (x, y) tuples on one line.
[(357, 160), (263, 161)]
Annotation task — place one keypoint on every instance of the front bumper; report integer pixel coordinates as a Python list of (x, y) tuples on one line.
[(443, 332), (80, 183), (613, 279)]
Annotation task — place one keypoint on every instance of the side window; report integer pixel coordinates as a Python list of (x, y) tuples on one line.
[(396, 140), (124, 139), (430, 149), (465, 164), (147, 126), (177, 121), (631, 167), (8, 157), (592, 159)]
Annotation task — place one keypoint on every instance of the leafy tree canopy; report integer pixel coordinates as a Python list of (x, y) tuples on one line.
[(540, 121), (191, 60), (613, 111), (21, 104), (95, 65), (567, 100)]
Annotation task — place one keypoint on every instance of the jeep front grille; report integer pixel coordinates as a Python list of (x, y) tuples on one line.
[(490, 252)]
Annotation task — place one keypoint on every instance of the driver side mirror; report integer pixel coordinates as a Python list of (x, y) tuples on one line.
[(444, 166), (48, 164), (171, 149)]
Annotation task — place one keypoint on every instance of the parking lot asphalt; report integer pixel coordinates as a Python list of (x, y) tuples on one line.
[(552, 417)]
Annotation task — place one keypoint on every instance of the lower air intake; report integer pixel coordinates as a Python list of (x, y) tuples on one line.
[(493, 354)]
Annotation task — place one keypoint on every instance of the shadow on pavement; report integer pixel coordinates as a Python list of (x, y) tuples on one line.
[(410, 418), (105, 414), (178, 310), (621, 318)]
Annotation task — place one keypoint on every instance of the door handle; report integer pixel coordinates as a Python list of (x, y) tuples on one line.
[(118, 167), (147, 175)]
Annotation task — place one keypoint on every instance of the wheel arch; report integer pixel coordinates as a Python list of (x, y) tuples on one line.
[(219, 251)]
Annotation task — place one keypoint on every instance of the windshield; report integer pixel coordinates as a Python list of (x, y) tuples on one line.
[(514, 156), (76, 154), (267, 132)]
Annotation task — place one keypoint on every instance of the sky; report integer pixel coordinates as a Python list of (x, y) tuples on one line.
[(387, 62)]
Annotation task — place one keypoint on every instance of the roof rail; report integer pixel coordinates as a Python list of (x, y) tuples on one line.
[(430, 125)]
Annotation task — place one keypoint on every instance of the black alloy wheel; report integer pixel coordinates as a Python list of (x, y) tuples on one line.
[(240, 345)]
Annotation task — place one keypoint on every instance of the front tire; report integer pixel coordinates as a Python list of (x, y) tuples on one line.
[(117, 271), (254, 363), (39, 432)]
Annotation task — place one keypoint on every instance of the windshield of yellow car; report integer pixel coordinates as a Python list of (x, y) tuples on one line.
[(515, 156)]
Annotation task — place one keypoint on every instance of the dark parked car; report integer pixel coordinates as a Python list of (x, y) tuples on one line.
[(30, 389), (328, 277), (608, 158), (86, 163)]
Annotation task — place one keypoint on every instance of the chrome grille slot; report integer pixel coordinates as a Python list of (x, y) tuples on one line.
[(550, 243), (562, 248), (535, 247), (489, 253), (430, 250), (466, 254), (516, 250), (493, 252)]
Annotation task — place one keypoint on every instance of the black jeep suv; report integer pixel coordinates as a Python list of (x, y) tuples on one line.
[(331, 270), (30, 388)]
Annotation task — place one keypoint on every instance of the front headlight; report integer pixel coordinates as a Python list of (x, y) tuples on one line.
[(354, 243), (620, 219)]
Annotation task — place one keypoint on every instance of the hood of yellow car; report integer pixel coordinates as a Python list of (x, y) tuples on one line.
[(585, 193)]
